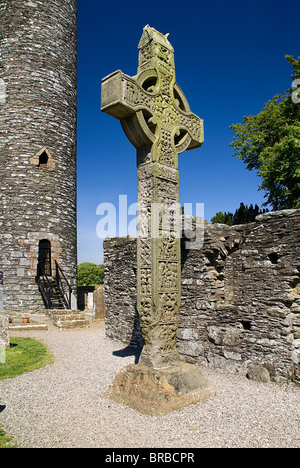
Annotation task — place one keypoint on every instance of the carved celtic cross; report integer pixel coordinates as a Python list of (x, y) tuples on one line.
[(156, 118)]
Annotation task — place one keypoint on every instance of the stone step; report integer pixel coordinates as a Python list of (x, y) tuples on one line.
[(28, 326), (62, 312), (69, 319), (69, 324)]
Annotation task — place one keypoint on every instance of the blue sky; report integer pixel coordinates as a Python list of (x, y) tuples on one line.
[(229, 58)]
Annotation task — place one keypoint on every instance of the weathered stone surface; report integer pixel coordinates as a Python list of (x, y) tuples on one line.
[(4, 337), (228, 336), (159, 391), (38, 73), (240, 301), (68, 319), (121, 317), (99, 303), (4, 331), (156, 118), (258, 373)]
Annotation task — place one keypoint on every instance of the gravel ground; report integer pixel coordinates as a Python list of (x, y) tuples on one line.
[(62, 405)]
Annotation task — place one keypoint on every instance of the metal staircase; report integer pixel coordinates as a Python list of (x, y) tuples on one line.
[(56, 292)]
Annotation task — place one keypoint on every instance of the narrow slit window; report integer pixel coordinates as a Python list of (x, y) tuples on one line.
[(273, 257), (43, 159), (246, 324)]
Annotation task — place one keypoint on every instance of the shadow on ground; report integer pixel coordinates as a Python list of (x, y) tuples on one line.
[(129, 351)]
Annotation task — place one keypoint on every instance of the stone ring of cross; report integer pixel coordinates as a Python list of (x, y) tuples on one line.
[(151, 105), (150, 81)]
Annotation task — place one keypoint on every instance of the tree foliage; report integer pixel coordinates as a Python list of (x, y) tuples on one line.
[(270, 143), (243, 215), (222, 218), (89, 274)]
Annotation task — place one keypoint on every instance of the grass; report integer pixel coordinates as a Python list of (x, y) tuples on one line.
[(5, 441), (24, 355)]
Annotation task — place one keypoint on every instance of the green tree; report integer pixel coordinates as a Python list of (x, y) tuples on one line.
[(89, 274), (270, 143), (222, 218), (243, 215)]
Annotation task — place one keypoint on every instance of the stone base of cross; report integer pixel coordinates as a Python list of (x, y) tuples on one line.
[(156, 118), (157, 392)]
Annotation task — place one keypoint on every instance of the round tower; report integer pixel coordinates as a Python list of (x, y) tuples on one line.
[(38, 107)]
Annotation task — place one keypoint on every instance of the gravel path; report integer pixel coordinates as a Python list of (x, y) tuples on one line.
[(62, 405)]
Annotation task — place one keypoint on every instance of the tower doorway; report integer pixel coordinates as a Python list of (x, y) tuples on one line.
[(44, 259)]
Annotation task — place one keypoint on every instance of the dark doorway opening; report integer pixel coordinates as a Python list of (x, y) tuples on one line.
[(44, 260)]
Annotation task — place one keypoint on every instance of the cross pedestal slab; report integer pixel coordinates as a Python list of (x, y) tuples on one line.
[(157, 392)]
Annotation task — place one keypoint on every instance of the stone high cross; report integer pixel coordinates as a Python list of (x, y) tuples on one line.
[(156, 118)]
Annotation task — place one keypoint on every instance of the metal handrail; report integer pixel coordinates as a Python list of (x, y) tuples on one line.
[(63, 285), (46, 293)]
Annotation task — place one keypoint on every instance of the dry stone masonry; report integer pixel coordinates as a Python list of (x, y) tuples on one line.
[(240, 304), (37, 146)]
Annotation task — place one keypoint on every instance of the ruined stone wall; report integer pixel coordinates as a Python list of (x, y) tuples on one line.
[(38, 62), (121, 317), (240, 307)]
